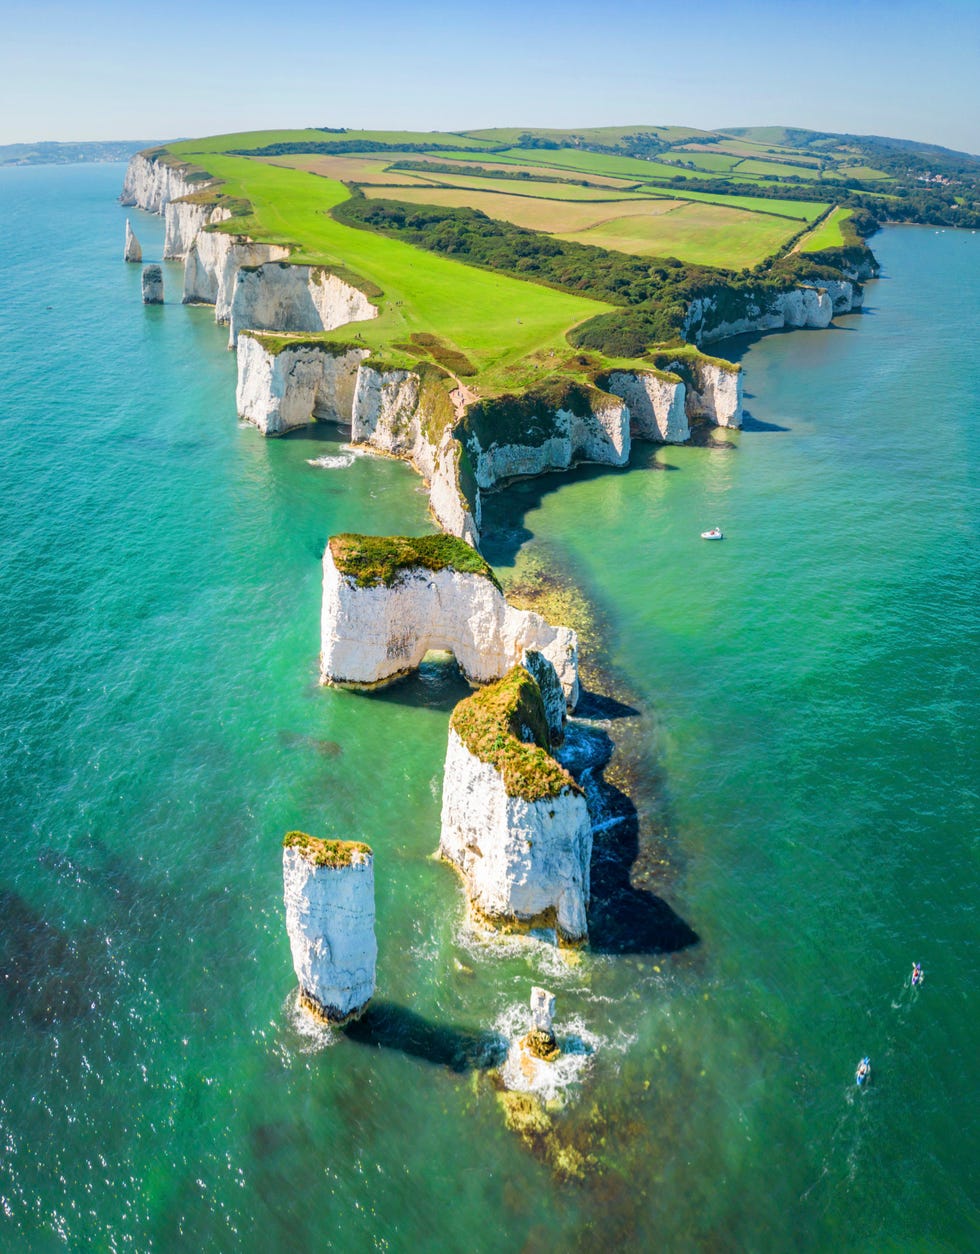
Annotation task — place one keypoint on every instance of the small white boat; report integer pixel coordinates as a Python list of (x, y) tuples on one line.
[(713, 533)]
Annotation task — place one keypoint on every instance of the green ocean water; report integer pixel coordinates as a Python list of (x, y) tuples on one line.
[(795, 708)]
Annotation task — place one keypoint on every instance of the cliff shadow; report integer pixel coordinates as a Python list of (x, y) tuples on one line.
[(504, 530), (437, 684), (756, 424), (46, 976), (623, 919), (386, 1025)]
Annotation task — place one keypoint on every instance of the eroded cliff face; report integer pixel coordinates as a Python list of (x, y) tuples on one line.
[(372, 635), (810, 307), (151, 184), (714, 392), (599, 433), (182, 221), (281, 391), (521, 861), (277, 296), (330, 921), (656, 405), (212, 263)]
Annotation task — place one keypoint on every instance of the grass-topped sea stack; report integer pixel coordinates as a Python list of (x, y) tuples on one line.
[(389, 600), (514, 821), (328, 886)]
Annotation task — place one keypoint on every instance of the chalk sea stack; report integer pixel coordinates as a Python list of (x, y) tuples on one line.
[(541, 1042), (328, 888), (152, 285), (389, 600), (132, 250), (514, 822)]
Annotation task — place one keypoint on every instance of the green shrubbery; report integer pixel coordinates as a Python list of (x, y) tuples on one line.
[(378, 561)]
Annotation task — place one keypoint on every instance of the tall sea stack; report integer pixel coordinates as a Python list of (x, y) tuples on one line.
[(152, 285), (328, 887), (132, 250)]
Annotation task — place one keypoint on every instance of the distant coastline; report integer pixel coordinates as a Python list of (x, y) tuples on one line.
[(54, 152)]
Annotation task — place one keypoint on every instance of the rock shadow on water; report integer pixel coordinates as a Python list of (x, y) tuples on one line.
[(623, 919), (756, 424), (46, 976), (386, 1025), (437, 684)]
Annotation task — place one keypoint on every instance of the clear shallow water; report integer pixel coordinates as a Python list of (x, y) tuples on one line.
[(806, 690)]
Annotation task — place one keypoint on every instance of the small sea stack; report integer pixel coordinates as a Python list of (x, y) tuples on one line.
[(328, 888), (152, 285), (132, 250), (541, 1041)]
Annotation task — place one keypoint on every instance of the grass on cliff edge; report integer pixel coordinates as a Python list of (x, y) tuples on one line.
[(495, 320), (332, 853), (378, 561), (493, 724)]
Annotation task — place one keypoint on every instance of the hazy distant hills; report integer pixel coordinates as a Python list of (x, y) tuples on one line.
[(51, 152)]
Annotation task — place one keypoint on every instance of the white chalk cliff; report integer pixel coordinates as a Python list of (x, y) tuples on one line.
[(374, 634), (805, 306), (131, 249), (151, 183), (523, 860), (599, 432), (283, 297), (330, 921), (656, 404)]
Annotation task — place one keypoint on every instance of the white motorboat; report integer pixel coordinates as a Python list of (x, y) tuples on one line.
[(713, 533)]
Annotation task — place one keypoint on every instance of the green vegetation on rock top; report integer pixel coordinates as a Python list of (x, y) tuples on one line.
[(504, 725), (331, 853), (379, 561)]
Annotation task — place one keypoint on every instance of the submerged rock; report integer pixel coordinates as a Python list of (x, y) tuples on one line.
[(132, 250), (152, 285), (328, 888)]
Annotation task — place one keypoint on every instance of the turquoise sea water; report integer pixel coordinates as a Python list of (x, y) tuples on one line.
[(803, 759)]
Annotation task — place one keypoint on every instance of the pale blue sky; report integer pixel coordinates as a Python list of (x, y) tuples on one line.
[(109, 70)]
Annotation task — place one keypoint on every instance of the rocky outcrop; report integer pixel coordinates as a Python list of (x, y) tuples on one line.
[(389, 600), (131, 249), (152, 283), (552, 696), (714, 391), (183, 219), (279, 391), (401, 413), (707, 320), (656, 404), (514, 822), (540, 1043), (509, 437), (153, 179), (328, 888), (282, 297)]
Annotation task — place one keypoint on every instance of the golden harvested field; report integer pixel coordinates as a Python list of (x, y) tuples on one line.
[(531, 187), (538, 214), (352, 168)]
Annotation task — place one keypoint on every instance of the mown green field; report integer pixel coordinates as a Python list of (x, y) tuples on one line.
[(495, 320), (827, 234), (705, 234)]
